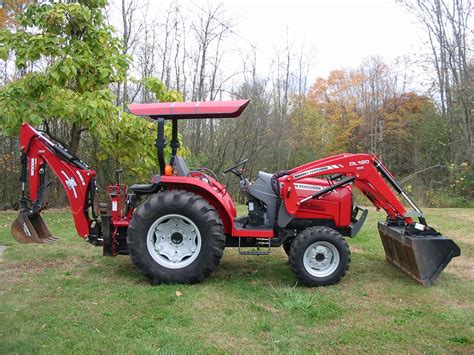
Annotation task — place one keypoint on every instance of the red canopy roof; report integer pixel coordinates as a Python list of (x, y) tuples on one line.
[(200, 109)]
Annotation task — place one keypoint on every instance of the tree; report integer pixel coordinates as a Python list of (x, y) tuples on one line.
[(129, 141), (450, 40), (403, 144), (9, 10), (308, 132), (336, 99), (66, 57)]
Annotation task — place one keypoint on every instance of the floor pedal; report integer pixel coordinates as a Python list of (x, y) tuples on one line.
[(263, 247)]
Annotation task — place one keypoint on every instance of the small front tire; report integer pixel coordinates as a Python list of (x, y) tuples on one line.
[(319, 256)]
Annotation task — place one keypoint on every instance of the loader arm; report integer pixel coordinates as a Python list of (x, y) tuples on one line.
[(38, 152), (363, 170), (415, 248)]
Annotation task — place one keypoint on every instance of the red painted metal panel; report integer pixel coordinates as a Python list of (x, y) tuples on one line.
[(335, 206), (368, 180), (252, 233), (75, 181), (185, 110), (213, 192)]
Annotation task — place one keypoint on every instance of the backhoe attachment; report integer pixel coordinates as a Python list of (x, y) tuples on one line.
[(37, 154), (29, 227)]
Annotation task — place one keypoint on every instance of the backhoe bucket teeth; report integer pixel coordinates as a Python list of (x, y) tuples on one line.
[(30, 228), (422, 256)]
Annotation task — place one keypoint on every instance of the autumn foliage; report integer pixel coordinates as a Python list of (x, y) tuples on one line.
[(366, 110), (9, 10)]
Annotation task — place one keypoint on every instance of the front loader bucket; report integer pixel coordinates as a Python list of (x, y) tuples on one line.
[(422, 256), (29, 227)]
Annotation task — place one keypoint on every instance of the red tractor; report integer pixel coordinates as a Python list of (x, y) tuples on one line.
[(176, 227)]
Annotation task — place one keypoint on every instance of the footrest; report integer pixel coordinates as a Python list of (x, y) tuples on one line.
[(260, 243)]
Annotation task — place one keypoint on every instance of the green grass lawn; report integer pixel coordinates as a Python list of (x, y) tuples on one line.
[(66, 297)]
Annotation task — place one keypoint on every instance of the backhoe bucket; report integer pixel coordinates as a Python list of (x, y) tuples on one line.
[(29, 227), (422, 256)]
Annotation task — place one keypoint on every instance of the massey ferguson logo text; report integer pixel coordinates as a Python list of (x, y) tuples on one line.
[(32, 166), (317, 170), (308, 187)]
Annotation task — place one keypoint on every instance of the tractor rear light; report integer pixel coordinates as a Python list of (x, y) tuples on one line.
[(168, 170)]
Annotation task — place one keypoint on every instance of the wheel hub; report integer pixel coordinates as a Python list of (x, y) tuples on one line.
[(174, 241), (321, 259), (177, 238)]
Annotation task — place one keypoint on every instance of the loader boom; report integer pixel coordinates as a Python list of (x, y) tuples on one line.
[(417, 249), (363, 170)]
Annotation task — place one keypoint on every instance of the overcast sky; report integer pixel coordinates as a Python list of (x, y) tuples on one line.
[(341, 32)]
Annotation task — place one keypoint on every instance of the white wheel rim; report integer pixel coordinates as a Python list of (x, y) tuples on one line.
[(321, 259), (174, 241)]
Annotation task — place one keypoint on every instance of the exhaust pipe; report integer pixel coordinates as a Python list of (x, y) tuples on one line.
[(422, 256), (29, 227)]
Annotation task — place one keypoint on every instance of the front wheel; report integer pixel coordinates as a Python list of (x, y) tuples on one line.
[(176, 237), (319, 256)]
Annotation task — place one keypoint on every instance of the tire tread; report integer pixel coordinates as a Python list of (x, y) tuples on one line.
[(299, 243), (164, 203)]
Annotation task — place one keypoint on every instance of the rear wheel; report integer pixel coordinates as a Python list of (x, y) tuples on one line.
[(176, 237), (319, 256), (287, 246)]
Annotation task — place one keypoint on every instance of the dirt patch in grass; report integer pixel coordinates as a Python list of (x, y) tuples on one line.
[(249, 304), (464, 214), (356, 249), (15, 272), (2, 250), (461, 237), (462, 267)]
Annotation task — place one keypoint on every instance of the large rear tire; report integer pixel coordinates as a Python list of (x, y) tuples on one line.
[(176, 236), (319, 256), (287, 246)]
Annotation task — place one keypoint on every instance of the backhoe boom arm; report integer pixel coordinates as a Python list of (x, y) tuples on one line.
[(74, 175)]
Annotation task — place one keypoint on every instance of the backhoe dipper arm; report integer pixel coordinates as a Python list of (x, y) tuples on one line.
[(364, 170), (75, 176)]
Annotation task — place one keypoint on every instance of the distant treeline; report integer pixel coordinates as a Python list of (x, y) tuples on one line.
[(69, 73)]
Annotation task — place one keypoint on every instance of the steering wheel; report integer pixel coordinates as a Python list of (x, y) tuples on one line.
[(233, 169)]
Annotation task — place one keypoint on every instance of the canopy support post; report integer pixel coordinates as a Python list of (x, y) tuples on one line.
[(161, 144), (174, 144)]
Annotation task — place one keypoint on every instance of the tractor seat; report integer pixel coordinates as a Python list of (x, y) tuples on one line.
[(143, 189), (180, 166), (274, 181), (146, 189)]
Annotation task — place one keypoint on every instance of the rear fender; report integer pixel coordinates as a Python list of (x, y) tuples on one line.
[(221, 201)]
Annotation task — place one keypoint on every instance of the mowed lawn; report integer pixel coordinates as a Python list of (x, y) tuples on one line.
[(66, 297)]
